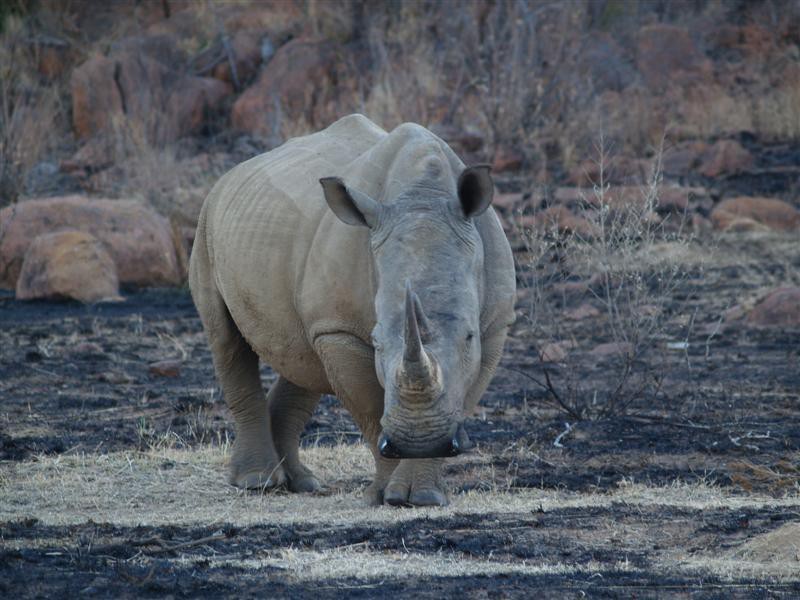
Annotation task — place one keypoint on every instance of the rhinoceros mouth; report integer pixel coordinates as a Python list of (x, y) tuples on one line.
[(452, 445)]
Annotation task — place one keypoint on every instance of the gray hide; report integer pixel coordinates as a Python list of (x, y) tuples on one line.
[(391, 285)]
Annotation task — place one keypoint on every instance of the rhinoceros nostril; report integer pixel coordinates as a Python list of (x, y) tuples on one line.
[(464, 443), (386, 448)]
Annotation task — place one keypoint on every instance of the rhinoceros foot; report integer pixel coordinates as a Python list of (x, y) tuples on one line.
[(416, 482), (400, 496), (260, 479), (304, 482)]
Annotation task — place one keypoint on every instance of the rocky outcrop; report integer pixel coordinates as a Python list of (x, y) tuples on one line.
[(138, 239), (68, 265), (297, 84), (141, 82)]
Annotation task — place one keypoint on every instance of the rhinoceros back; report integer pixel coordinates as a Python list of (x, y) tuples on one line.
[(289, 271), (259, 224)]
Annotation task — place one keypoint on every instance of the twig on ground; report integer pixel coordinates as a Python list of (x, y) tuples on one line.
[(557, 441)]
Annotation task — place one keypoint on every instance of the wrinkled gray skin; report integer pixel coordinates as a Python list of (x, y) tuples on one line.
[(391, 286)]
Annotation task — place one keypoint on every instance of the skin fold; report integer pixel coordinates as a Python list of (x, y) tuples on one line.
[(363, 264)]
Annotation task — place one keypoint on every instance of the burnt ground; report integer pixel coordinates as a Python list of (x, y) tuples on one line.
[(725, 413)]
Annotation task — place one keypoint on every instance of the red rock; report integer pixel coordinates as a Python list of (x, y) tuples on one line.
[(194, 98), (683, 158), (68, 265), (679, 199), (564, 221), (166, 368), (88, 348), (553, 352), (296, 84), (584, 311), (95, 97), (246, 50), (572, 196), (615, 349), (617, 170), (666, 53), (699, 223), (137, 238), (507, 202), (726, 157), (751, 39), (780, 308), (142, 84), (279, 20), (745, 211), (507, 159)]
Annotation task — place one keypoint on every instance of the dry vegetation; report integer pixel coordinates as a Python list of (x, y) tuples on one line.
[(135, 489), (677, 466), (614, 259)]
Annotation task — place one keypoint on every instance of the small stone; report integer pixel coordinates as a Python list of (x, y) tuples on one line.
[(166, 368), (612, 349), (584, 311), (506, 159), (553, 352), (115, 378), (88, 348), (726, 157)]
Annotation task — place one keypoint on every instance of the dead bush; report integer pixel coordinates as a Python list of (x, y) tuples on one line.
[(28, 110), (604, 295)]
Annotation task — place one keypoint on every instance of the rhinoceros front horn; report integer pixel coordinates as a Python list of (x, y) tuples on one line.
[(419, 372)]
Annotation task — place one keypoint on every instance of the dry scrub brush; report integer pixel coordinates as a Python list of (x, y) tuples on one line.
[(28, 109), (605, 299)]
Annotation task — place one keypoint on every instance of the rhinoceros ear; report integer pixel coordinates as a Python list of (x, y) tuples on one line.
[(475, 190), (351, 206)]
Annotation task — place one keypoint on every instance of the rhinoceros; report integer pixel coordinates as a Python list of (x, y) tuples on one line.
[(359, 263)]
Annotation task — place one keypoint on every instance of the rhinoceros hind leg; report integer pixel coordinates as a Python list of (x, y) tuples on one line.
[(254, 462), (290, 408), (416, 482)]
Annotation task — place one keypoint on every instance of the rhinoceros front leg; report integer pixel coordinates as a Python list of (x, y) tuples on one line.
[(291, 407), (350, 367)]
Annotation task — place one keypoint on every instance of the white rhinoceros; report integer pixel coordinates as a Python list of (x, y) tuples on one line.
[(391, 286)]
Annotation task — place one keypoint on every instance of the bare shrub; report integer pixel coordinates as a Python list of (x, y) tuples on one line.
[(614, 288), (28, 110)]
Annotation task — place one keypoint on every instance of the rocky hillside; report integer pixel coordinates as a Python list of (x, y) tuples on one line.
[(152, 100)]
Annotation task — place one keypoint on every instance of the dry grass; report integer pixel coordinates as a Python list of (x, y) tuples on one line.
[(132, 488), (187, 488)]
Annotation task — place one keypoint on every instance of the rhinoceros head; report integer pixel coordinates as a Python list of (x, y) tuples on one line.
[(428, 259)]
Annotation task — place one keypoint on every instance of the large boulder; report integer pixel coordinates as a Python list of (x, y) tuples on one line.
[(142, 82), (137, 238), (68, 264), (748, 213), (779, 308), (297, 84), (95, 96)]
